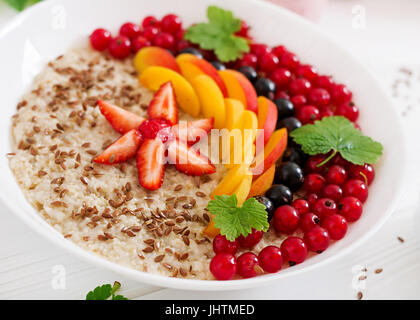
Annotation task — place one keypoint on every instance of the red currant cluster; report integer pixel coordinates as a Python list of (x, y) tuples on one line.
[(165, 33)]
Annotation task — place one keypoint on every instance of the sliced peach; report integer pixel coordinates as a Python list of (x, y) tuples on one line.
[(192, 66), (211, 230), (242, 191), (267, 118), (272, 152), (261, 185), (211, 99), (153, 77), (234, 110), (155, 56), (231, 181), (240, 88)]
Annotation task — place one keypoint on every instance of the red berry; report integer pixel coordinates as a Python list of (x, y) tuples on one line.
[(308, 114), (246, 265), (339, 160), (294, 250), (337, 175), (130, 30), (289, 60), (223, 266), (268, 62), (223, 245), (366, 173), (324, 208), (248, 60), (309, 221), (182, 44), (259, 49), (299, 100), (120, 47), (300, 86), (319, 97), (314, 183), (150, 33), (281, 77), (336, 226), (356, 188), (350, 208), (332, 191), (348, 110), (179, 35), (139, 43), (100, 39), (312, 199), (317, 239), (251, 240), (151, 129), (171, 23), (243, 31), (281, 94), (341, 94), (324, 82), (164, 40), (150, 21), (286, 219), (326, 111), (271, 259), (313, 163), (307, 71), (279, 51), (301, 206)]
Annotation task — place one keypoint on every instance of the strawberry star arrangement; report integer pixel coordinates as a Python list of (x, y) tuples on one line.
[(156, 141)]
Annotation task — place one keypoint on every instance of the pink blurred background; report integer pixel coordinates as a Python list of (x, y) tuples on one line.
[(311, 9)]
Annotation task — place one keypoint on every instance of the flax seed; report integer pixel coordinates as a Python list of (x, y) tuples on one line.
[(378, 271), (159, 258), (178, 188)]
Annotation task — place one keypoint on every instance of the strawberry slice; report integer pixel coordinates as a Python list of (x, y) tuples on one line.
[(193, 131), (122, 149), (121, 120), (163, 105), (150, 164), (188, 160)]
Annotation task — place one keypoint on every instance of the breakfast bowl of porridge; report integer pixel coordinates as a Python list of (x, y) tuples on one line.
[(195, 147)]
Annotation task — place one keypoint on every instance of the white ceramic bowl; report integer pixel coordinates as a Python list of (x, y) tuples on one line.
[(48, 29)]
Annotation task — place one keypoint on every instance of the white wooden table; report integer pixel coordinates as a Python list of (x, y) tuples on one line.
[(388, 43)]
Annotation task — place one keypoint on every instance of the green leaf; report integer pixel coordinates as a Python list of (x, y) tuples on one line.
[(235, 221), (119, 297), (20, 4), (105, 292), (219, 35), (338, 134)]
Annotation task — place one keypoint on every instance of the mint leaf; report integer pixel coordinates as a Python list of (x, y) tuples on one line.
[(219, 34), (338, 134), (20, 4), (235, 221), (105, 292)]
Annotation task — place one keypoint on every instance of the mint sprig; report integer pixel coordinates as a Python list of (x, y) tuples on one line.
[(105, 292), (20, 4), (337, 135), (219, 35), (234, 221)]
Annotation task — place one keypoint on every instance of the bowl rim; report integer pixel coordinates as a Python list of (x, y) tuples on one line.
[(213, 285)]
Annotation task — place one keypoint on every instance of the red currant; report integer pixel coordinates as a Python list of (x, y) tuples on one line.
[(307, 71), (332, 191), (312, 165), (337, 175), (308, 114), (179, 35), (281, 77), (279, 51), (299, 100), (336, 226), (317, 239), (259, 49), (341, 94), (314, 183), (182, 44), (171, 23), (243, 31), (356, 188), (139, 43), (223, 245), (223, 266), (150, 21), (312, 199), (294, 250), (309, 221), (130, 30), (286, 219), (271, 259), (289, 60), (365, 173), (246, 265), (302, 206), (248, 60), (319, 97), (281, 94), (251, 240), (268, 62), (120, 47), (150, 33), (350, 208), (339, 160), (326, 111), (325, 207), (164, 40), (100, 39), (348, 110), (300, 86), (324, 82)]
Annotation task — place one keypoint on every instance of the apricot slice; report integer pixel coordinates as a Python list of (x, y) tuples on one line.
[(234, 110), (231, 181), (242, 191), (272, 152), (211, 99), (192, 66), (155, 56), (153, 77), (261, 185), (267, 118), (211, 230), (240, 88)]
